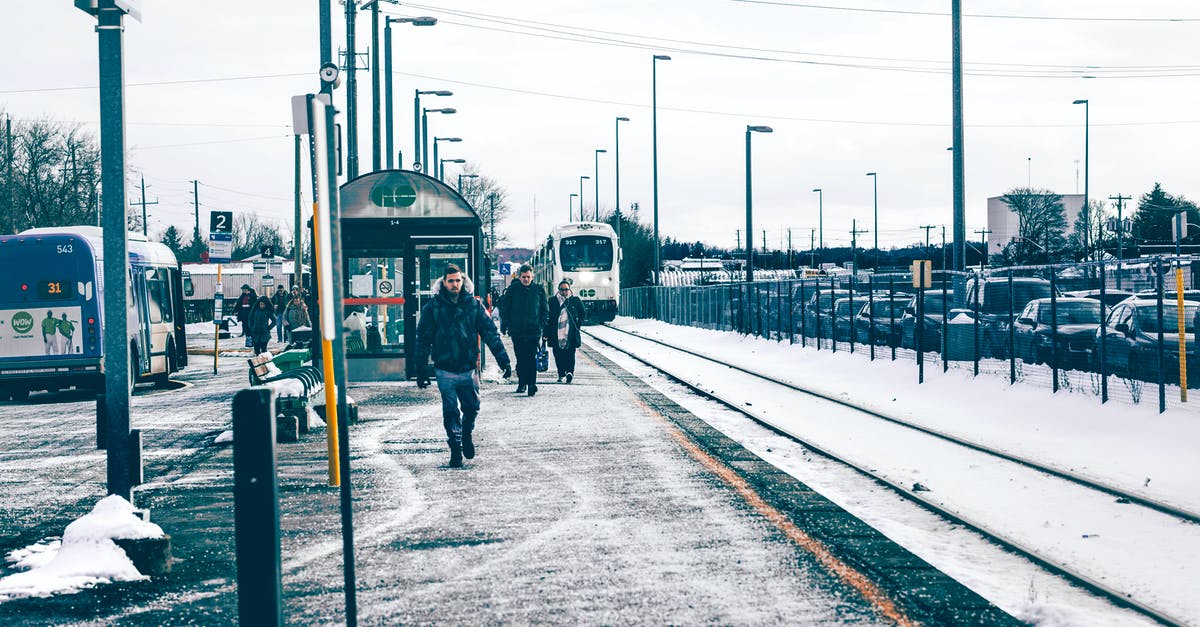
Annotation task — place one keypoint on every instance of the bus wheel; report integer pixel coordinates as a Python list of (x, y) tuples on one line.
[(163, 379)]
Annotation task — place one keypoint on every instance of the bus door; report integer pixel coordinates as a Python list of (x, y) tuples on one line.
[(430, 256), (139, 321)]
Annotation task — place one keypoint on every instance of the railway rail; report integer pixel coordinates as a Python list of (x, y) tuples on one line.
[(1092, 583)]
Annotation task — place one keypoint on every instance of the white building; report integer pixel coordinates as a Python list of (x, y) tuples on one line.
[(1004, 226)]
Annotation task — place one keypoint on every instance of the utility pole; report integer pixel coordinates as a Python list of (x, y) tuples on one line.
[(1120, 233), (492, 197), (791, 263), (351, 93), (927, 227), (297, 241), (143, 202), (812, 246), (739, 238), (375, 123), (983, 233), (854, 233), (196, 204), (956, 82), (943, 246)]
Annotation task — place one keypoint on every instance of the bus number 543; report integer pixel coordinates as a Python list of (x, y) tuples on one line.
[(65, 249)]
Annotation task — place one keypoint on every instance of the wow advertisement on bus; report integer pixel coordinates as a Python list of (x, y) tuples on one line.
[(40, 331)]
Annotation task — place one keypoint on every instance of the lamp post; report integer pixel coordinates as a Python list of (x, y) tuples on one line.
[(875, 186), (462, 176), (418, 155), (1087, 226), (654, 132), (571, 207), (821, 220), (387, 71), (425, 132), (596, 180), (581, 180), (440, 168), (617, 165), (441, 173), (749, 204)]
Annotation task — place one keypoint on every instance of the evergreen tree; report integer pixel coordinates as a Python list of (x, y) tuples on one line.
[(1152, 220), (173, 240)]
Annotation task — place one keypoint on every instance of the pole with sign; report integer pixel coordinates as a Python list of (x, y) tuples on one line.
[(922, 277), (218, 313)]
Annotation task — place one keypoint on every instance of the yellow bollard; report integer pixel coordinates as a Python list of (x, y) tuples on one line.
[(331, 417), (1182, 326)]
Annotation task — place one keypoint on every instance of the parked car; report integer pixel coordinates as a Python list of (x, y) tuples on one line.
[(1111, 297), (814, 309), (1131, 347), (931, 334), (1066, 331), (885, 311), (991, 296), (838, 325)]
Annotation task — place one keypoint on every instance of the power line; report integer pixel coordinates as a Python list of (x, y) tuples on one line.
[(234, 191), (215, 141), (189, 81), (823, 7)]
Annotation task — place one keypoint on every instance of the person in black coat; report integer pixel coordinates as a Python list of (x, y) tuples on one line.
[(260, 322), (242, 307), (523, 313), (449, 329), (566, 316)]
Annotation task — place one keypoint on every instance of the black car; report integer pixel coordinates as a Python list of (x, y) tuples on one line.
[(931, 330), (1068, 334), (1131, 347), (991, 296), (886, 312), (1111, 297), (839, 324), (814, 309)]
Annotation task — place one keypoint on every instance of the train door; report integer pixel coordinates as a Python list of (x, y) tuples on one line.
[(429, 258)]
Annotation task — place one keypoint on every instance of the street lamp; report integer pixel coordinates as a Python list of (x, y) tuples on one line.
[(419, 155), (462, 176), (440, 168), (581, 180), (440, 174), (425, 131), (597, 182), (875, 186), (749, 204), (387, 71), (654, 132), (571, 207), (821, 220), (617, 166), (1087, 227)]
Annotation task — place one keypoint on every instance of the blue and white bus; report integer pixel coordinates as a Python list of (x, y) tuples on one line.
[(52, 312), (588, 255)]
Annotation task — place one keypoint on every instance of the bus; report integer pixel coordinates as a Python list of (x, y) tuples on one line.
[(52, 311), (588, 256)]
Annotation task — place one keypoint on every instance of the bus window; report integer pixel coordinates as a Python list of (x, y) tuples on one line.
[(156, 295)]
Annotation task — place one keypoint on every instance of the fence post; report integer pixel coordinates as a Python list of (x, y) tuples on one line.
[(870, 315), (892, 339), (791, 306), (1162, 366), (817, 313), (1103, 337), (1053, 330), (979, 286), (803, 315), (256, 508), (1012, 344), (945, 322), (851, 313)]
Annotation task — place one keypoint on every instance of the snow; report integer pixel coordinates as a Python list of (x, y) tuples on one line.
[(224, 438), (1149, 555), (286, 387), (314, 421), (86, 556)]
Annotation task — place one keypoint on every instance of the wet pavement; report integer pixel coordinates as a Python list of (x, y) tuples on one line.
[(596, 502)]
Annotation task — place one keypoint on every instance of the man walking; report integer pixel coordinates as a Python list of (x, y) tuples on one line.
[(451, 323), (524, 311), (279, 300)]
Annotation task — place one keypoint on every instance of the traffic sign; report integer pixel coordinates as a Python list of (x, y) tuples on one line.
[(268, 252), (505, 268), (220, 222), (219, 250), (268, 281)]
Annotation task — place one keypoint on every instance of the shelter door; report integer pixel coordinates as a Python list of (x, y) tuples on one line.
[(430, 256)]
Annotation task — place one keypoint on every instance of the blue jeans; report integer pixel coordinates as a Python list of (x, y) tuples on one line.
[(279, 326), (458, 388)]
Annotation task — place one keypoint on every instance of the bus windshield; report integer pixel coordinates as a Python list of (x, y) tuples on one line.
[(586, 252)]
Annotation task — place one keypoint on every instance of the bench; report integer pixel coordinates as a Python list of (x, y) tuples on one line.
[(296, 386)]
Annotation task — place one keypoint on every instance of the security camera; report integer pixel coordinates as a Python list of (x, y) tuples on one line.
[(329, 74)]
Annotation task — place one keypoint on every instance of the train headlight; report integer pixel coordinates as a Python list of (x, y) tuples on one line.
[(587, 277)]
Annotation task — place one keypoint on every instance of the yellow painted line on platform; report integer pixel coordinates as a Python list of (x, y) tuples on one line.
[(867, 588)]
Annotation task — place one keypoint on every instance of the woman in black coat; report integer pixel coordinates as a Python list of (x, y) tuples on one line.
[(562, 329)]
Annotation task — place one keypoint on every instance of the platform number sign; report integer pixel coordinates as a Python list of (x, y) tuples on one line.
[(220, 222)]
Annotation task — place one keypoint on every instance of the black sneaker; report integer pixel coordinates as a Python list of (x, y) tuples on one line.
[(560, 379), (468, 445), (570, 375), (532, 389), (456, 456), (520, 388)]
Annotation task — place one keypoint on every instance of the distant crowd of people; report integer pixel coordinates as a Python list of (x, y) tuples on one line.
[(281, 312)]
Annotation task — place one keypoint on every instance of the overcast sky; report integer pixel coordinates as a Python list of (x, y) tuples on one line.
[(850, 86)]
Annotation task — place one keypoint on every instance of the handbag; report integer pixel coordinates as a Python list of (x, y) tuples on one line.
[(542, 359)]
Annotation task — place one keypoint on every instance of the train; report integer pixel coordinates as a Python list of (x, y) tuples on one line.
[(588, 256)]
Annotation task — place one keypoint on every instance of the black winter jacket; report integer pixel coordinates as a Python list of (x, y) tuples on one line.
[(448, 330), (523, 310), (575, 314)]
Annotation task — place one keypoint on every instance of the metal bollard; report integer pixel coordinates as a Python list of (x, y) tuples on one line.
[(256, 508)]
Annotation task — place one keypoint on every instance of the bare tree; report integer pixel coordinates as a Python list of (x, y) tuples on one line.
[(54, 177), (1087, 233), (1041, 224), (489, 199), (251, 234)]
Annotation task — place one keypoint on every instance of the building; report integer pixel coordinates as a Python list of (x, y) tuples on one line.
[(1003, 224)]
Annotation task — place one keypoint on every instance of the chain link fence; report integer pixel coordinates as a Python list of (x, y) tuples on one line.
[(1112, 330)]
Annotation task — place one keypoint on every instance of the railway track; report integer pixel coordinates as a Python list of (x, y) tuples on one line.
[(675, 366)]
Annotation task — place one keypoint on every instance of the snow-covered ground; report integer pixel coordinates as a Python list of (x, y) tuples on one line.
[(1149, 554)]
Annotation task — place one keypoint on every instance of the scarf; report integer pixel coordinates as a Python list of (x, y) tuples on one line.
[(564, 322)]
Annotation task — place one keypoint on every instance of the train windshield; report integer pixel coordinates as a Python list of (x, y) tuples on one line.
[(586, 252)]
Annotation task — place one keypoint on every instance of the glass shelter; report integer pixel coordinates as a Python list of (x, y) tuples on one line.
[(399, 230)]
